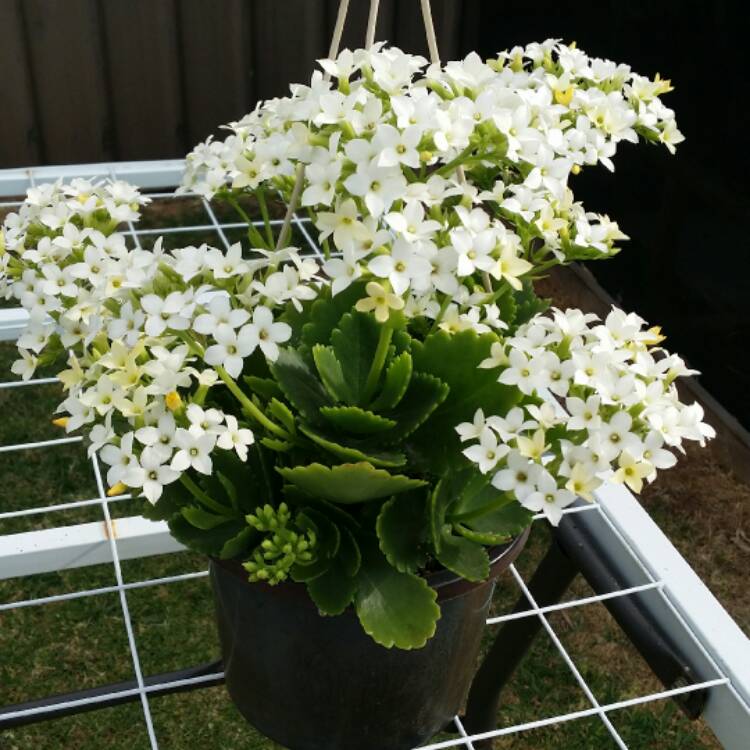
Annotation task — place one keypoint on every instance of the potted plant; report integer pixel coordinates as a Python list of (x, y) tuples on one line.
[(360, 441)]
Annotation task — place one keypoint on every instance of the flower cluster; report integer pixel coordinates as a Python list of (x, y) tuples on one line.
[(449, 183), (140, 327), (610, 409)]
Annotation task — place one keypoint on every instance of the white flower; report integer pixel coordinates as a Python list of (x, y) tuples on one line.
[(520, 476), (583, 481), (403, 267), (616, 437), (632, 472), (487, 453), (472, 430), (120, 459), (585, 414), (151, 474), (234, 437), (379, 186), (548, 498), (172, 311), (160, 437), (207, 420), (342, 271), (220, 313), (194, 447), (231, 348), (343, 223), (269, 334), (398, 147)]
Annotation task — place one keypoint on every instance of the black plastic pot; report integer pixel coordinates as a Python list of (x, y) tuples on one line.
[(320, 683)]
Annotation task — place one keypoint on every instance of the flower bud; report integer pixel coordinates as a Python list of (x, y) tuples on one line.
[(173, 401)]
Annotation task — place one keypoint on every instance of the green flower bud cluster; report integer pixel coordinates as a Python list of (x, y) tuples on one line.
[(282, 546)]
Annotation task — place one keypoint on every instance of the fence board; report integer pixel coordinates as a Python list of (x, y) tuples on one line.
[(19, 143), (143, 67), (287, 39), (66, 58), (216, 64), (94, 80)]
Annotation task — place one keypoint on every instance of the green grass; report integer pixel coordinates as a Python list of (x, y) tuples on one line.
[(77, 644)]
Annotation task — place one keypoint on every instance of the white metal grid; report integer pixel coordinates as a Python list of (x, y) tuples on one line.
[(708, 630)]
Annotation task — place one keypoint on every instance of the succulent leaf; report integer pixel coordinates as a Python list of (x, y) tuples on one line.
[(356, 420), (347, 483), (396, 609), (400, 528), (397, 377)]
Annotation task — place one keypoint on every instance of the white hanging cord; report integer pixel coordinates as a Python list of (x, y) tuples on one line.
[(429, 28), (372, 22), (299, 178)]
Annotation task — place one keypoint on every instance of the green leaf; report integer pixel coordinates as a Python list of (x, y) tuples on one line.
[(355, 342), (280, 446), (329, 369), (528, 304), (349, 553), (208, 542), (497, 526), (423, 396), (202, 519), (464, 557), (173, 498), (229, 489), (400, 527), (299, 384), (238, 545), (334, 590), (454, 359), (395, 609), (347, 483), (397, 378), (263, 387), (450, 487), (354, 450), (354, 419), (282, 413), (320, 317)]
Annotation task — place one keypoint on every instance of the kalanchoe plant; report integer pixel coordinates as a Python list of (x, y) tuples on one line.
[(405, 403)]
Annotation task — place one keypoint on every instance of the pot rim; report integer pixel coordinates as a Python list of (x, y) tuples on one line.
[(447, 583)]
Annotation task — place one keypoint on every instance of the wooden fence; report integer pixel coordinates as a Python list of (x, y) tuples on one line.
[(93, 80)]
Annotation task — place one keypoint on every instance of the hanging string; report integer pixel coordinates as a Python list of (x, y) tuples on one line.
[(299, 177), (429, 28), (372, 22)]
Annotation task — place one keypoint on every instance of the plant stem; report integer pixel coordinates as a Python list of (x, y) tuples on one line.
[(203, 497), (249, 407), (384, 341), (253, 234), (266, 218), (443, 307)]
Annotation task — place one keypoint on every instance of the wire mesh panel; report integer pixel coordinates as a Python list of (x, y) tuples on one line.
[(37, 536)]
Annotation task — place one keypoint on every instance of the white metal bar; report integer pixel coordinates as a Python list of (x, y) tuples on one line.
[(146, 174), (574, 603), (566, 657), (111, 534), (41, 444), (85, 593), (74, 504), (582, 714), (81, 545)]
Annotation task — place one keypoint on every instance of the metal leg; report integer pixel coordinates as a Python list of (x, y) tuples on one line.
[(550, 581)]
